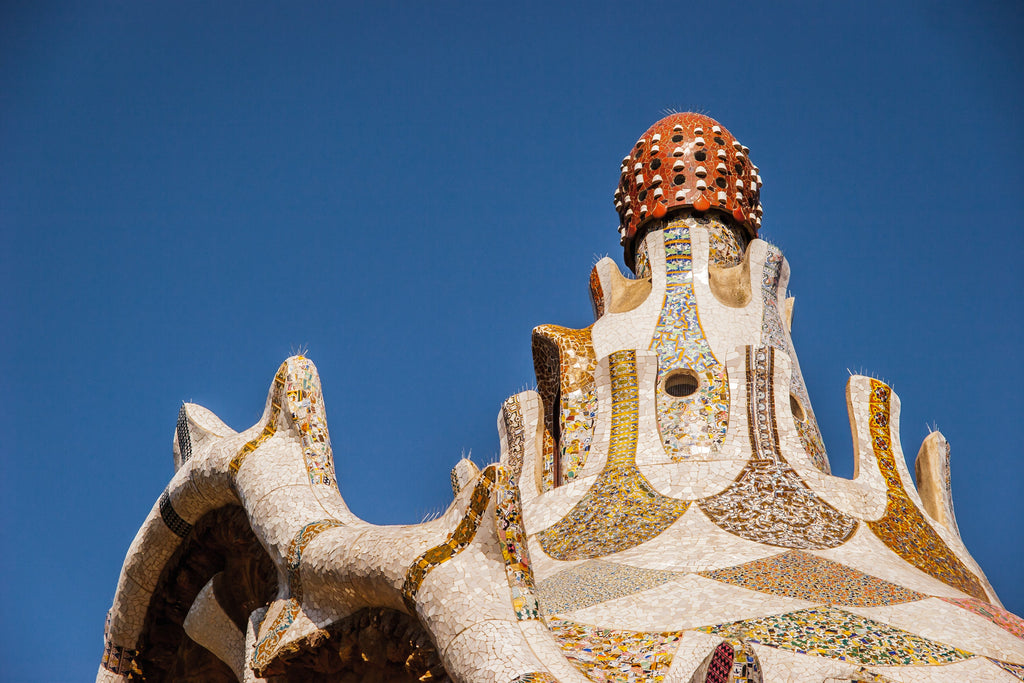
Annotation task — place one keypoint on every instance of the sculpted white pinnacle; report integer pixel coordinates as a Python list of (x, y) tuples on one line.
[(662, 510)]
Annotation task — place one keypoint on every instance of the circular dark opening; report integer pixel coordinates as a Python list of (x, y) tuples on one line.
[(679, 179), (700, 156), (720, 181), (681, 383), (719, 140), (798, 410), (655, 164)]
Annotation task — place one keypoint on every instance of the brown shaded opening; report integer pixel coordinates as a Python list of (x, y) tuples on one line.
[(681, 383), (220, 541), (374, 645), (797, 408)]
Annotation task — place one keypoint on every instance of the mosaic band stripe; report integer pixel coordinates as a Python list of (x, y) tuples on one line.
[(596, 293), (171, 518), (745, 666), (769, 502), (508, 517), (267, 647), (903, 528), (269, 428), (119, 660), (456, 542), (1014, 669), (695, 424), (947, 492), (515, 434), (184, 438), (305, 400), (621, 510), (298, 545), (774, 334)]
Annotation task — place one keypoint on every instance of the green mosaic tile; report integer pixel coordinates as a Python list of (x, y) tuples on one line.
[(836, 633)]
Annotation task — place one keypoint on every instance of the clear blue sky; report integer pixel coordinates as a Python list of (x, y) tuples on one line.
[(190, 192)]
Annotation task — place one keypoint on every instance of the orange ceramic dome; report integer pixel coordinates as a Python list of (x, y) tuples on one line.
[(686, 160)]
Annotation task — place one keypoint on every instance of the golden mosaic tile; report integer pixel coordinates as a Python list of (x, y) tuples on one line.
[(615, 656), (457, 540), (508, 513), (903, 528), (271, 425), (801, 575), (621, 510)]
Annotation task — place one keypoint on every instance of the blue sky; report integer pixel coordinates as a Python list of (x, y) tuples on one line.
[(190, 192)]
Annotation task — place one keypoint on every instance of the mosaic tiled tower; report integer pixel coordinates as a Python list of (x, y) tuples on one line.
[(662, 509)]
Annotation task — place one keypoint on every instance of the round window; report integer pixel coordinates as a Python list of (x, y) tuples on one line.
[(681, 383)]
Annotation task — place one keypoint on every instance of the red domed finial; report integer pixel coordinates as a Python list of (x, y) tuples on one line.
[(686, 160)]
